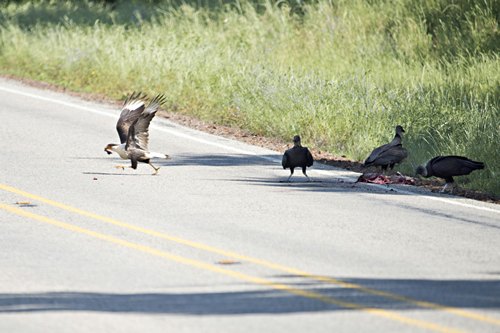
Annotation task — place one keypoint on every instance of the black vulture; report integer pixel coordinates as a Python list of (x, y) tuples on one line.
[(133, 130), (297, 156), (389, 154), (448, 167)]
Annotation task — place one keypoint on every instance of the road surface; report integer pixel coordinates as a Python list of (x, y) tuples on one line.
[(218, 242)]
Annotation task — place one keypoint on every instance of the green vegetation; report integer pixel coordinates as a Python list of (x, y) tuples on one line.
[(342, 73)]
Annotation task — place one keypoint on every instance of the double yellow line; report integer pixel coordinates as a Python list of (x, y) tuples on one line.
[(256, 280)]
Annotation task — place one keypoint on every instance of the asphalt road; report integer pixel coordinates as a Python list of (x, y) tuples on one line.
[(217, 242)]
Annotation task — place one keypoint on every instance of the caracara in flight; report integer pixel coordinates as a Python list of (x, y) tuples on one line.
[(133, 129)]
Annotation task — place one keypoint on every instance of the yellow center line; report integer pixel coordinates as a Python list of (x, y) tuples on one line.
[(265, 263), (248, 278)]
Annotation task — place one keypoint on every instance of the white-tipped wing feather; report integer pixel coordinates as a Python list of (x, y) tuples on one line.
[(131, 111), (138, 134)]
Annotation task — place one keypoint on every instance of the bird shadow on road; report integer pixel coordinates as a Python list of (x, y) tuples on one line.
[(91, 158), (319, 184), (210, 160), (470, 294), (115, 174), (222, 160), (384, 193)]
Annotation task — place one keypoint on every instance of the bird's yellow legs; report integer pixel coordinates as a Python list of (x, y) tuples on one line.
[(156, 169), (128, 166)]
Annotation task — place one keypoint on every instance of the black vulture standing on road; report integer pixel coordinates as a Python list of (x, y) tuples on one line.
[(133, 129), (297, 156), (447, 167), (390, 153)]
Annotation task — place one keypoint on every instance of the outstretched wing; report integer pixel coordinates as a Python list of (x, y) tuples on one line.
[(131, 111), (138, 134)]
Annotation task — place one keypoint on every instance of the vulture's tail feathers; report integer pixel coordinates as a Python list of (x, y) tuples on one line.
[(476, 165)]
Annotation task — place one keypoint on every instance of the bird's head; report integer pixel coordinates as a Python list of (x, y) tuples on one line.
[(109, 148), (399, 129), (296, 140), (421, 170)]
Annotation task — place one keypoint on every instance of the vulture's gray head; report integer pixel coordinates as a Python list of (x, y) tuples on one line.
[(421, 170), (296, 140), (399, 129)]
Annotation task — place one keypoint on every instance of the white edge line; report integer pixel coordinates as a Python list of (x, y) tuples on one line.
[(107, 114), (236, 150)]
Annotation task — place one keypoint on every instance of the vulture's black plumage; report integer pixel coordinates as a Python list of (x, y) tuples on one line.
[(389, 154), (448, 167), (297, 157)]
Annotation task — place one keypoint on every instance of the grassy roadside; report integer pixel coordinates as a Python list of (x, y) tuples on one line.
[(340, 73)]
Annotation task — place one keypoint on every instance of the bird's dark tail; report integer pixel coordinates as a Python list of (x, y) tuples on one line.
[(477, 165)]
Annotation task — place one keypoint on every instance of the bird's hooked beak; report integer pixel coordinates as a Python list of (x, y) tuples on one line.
[(108, 150)]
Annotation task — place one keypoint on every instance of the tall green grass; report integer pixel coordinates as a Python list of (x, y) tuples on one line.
[(341, 73)]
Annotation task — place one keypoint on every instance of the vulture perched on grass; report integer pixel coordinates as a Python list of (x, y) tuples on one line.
[(297, 156), (133, 130), (389, 154), (448, 167)]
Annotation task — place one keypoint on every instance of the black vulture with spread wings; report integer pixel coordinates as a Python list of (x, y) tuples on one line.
[(133, 130)]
